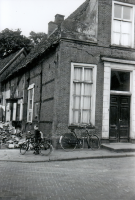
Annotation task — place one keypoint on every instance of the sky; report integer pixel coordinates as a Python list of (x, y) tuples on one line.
[(33, 15)]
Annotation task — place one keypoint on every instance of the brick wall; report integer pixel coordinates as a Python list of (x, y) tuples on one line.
[(80, 53)]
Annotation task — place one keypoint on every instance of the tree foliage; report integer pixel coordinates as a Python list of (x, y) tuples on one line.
[(11, 41), (37, 37)]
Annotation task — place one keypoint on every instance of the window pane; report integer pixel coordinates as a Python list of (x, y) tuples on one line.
[(125, 39), (117, 11), (8, 112), (30, 116), (77, 88), (120, 81), (76, 117), (87, 74), (127, 12), (116, 26), (116, 38), (85, 117), (76, 102), (36, 109), (18, 112), (86, 103), (126, 27), (30, 104), (30, 93), (14, 111), (87, 89), (78, 73)]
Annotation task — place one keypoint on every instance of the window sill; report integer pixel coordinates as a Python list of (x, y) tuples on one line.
[(29, 122), (122, 47), (73, 126)]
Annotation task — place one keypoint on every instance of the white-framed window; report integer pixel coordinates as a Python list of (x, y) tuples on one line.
[(14, 111), (17, 110), (30, 102), (8, 112), (82, 94), (122, 24)]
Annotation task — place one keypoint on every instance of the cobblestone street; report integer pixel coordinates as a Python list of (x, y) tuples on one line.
[(103, 179)]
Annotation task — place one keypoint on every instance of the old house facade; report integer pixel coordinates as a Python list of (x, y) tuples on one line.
[(83, 73)]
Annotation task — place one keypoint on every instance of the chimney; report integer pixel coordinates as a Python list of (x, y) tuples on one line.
[(51, 27), (59, 19)]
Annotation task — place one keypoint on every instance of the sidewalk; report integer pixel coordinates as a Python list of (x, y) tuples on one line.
[(13, 155)]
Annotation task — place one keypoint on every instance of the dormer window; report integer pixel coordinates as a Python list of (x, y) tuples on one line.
[(122, 24)]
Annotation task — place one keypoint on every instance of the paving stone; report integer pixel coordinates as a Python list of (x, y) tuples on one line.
[(98, 179)]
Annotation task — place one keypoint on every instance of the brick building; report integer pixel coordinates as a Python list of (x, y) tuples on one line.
[(83, 73)]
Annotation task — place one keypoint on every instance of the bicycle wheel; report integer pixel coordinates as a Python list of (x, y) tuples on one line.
[(45, 149), (23, 148), (68, 141), (94, 142)]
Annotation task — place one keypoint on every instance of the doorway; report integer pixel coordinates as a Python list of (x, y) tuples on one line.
[(119, 118)]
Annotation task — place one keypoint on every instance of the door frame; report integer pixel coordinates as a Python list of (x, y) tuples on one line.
[(120, 65)]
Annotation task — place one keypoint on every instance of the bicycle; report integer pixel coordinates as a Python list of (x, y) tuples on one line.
[(70, 141), (44, 147)]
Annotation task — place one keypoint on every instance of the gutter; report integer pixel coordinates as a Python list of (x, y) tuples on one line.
[(12, 60)]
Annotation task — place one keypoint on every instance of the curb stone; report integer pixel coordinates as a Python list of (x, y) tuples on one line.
[(70, 159)]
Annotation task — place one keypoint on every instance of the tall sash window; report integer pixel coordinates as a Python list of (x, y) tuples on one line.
[(82, 94)]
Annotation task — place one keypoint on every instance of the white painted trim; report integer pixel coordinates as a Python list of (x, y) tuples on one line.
[(133, 26), (82, 64), (124, 4), (120, 93), (20, 101), (14, 111), (31, 86), (71, 89), (106, 101), (93, 101), (108, 66), (112, 23), (130, 62), (133, 17)]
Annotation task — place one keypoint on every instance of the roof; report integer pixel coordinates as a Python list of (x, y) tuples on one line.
[(38, 50), (77, 13), (45, 44), (13, 58), (5, 61)]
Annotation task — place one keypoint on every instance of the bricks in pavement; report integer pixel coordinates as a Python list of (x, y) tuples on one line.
[(104, 179)]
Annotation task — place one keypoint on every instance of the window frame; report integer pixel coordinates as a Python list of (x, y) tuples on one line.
[(19, 103), (93, 97), (132, 21), (31, 87)]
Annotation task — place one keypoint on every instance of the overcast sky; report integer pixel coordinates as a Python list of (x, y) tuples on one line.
[(33, 15)]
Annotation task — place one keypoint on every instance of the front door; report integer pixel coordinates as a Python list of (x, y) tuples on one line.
[(119, 118)]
